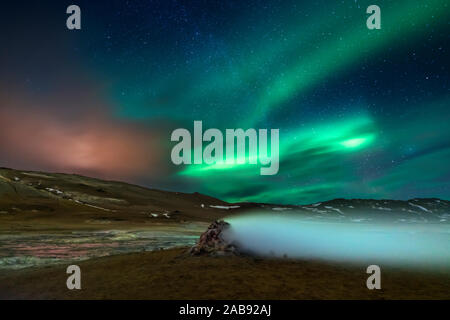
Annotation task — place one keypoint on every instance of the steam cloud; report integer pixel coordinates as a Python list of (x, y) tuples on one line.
[(379, 243)]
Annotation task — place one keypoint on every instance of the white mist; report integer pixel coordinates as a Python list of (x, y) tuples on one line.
[(375, 243)]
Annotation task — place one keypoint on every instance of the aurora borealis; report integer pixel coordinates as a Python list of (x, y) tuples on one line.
[(362, 113)]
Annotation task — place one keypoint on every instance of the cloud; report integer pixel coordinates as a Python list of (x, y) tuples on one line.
[(298, 237), (35, 134)]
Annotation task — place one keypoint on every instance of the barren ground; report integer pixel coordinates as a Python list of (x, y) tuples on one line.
[(171, 274)]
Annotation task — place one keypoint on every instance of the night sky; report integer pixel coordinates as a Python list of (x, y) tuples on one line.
[(362, 113)]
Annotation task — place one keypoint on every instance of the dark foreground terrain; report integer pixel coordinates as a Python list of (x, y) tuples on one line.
[(171, 274)]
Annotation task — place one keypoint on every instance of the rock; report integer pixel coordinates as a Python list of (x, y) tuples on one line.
[(212, 241)]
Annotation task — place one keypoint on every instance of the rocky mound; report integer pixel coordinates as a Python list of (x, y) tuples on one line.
[(213, 242)]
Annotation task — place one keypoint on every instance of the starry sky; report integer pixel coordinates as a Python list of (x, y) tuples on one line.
[(361, 113)]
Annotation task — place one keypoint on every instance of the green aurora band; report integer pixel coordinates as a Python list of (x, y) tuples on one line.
[(326, 159), (263, 69)]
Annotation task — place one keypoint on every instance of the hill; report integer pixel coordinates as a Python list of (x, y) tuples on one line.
[(36, 200)]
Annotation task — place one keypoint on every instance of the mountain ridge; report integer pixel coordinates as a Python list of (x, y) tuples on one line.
[(37, 195)]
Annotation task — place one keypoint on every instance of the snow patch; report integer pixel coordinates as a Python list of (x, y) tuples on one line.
[(56, 191), (335, 209), (281, 209), (225, 207), (383, 208), (92, 206), (420, 207), (359, 220)]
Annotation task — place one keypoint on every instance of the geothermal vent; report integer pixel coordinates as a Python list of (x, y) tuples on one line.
[(212, 241)]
